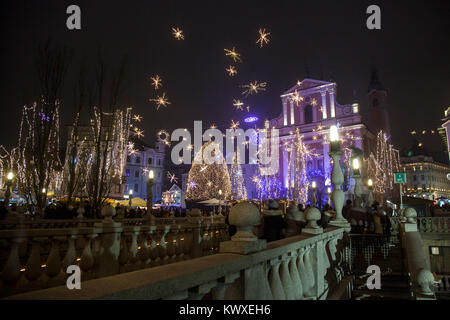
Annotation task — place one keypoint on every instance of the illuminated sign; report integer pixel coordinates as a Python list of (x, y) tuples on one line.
[(251, 119)]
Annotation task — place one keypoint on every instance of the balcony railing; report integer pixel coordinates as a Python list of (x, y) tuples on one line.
[(434, 224)]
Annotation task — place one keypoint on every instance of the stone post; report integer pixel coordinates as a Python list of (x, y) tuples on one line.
[(312, 216), (244, 216), (417, 263), (338, 196)]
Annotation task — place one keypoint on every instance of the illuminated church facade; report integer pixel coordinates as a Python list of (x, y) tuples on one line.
[(310, 108)]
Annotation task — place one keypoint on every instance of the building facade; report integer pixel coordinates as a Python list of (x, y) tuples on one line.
[(139, 163), (311, 108), (426, 178)]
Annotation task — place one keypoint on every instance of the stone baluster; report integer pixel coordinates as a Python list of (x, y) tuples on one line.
[(163, 259), (309, 273), (295, 276), (123, 253), (275, 283), (87, 258), (53, 264), (71, 253), (286, 279), (11, 270), (109, 244), (302, 271), (33, 269), (143, 249), (153, 248)]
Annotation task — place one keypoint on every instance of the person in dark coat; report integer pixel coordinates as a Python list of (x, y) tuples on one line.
[(273, 222)]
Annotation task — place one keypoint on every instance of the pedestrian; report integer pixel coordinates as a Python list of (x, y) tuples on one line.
[(273, 222)]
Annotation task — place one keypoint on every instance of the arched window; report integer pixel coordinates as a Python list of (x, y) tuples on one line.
[(308, 114)]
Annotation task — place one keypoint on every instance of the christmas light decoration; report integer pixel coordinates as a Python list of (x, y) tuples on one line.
[(178, 33), (161, 101), (204, 179), (163, 136), (156, 82), (234, 125), (172, 177), (238, 104), (137, 118), (231, 71), (263, 37), (296, 98), (253, 87), (237, 180), (233, 54)]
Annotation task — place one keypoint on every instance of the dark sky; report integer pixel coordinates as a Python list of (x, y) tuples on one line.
[(411, 52)]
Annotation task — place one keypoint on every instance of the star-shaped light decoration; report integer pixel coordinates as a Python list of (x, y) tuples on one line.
[(296, 98), (263, 37), (248, 108), (137, 118), (238, 104), (253, 87), (172, 177), (138, 133), (233, 54), (130, 148), (156, 82), (234, 125), (231, 71), (161, 101), (178, 33), (314, 102)]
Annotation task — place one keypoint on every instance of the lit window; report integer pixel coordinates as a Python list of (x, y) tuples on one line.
[(435, 251)]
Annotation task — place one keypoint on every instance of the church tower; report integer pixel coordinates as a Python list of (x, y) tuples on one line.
[(378, 106)]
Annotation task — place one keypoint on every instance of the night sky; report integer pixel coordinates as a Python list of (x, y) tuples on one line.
[(411, 53)]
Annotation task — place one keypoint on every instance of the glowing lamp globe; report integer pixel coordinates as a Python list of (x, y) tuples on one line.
[(150, 174), (370, 182), (10, 176)]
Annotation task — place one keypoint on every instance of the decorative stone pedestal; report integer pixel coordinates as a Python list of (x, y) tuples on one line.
[(244, 216), (312, 216)]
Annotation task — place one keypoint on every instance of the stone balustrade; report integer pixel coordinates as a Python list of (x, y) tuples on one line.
[(417, 264), (36, 258), (303, 267), (434, 224)]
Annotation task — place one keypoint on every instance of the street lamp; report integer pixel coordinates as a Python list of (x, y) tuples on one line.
[(337, 179), (9, 179), (150, 191), (357, 176), (220, 204), (130, 193), (314, 199), (370, 198)]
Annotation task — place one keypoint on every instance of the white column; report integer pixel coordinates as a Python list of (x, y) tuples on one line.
[(284, 113), (285, 168), (332, 109), (324, 104), (292, 113)]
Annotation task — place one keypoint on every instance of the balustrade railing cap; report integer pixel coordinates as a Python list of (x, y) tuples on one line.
[(410, 214), (244, 214)]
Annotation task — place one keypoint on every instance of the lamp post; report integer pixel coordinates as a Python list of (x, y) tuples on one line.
[(150, 191), (337, 178), (130, 193), (9, 179), (314, 198), (370, 198), (220, 202), (357, 176)]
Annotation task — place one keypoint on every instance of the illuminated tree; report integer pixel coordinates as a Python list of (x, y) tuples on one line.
[(237, 180), (205, 178)]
